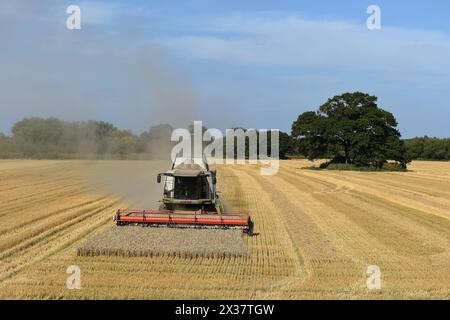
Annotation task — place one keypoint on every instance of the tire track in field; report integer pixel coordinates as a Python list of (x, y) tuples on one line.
[(359, 181), (367, 247), (433, 222), (354, 200), (363, 186), (268, 262), (396, 187), (409, 182), (352, 246), (35, 238), (325, 209), (29, 165), (51, 214), (438, 223), (279, 207), (51, 241), (66, 218), (417, 252), (48, 249), (28, 194), (24, 182), (69, 191), (31, 230), (194, 268), (271, 210)]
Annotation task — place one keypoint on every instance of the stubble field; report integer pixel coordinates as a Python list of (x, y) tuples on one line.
[(318, 231)]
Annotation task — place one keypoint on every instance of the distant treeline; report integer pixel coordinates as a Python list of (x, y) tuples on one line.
[(55, 139), (426, 148), (51, 138)]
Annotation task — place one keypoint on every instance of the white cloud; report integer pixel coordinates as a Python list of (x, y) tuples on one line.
[(295, 41), (48, 11)]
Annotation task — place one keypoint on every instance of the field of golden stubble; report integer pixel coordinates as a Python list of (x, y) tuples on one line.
[(318, 233)]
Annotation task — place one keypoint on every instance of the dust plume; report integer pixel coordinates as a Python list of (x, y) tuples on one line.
[(134, 182), (98, 73), (173, 100)]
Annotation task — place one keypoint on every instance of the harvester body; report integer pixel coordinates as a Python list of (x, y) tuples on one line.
[(190, 185), (189, 199)]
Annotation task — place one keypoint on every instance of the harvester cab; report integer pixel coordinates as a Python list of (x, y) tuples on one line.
[(190, 185), (189, 200)]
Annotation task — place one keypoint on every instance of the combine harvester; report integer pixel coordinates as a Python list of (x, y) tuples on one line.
[(189, 200)]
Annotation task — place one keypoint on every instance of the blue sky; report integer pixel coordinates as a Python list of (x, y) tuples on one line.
[(229, 63)]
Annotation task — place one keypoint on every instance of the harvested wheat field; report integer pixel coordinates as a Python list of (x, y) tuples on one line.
[(135, 241), (318, 231)]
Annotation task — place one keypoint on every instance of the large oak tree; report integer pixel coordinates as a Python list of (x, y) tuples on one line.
[(350, 128)]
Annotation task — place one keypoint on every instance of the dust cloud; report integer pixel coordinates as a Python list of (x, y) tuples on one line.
[(114, 75), (133, 182), (172, 101)]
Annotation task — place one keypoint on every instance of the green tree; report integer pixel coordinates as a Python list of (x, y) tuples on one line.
[(427, 148), (6, 146), (156, 142), (37, 137), (350, 128), (284, 144)]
